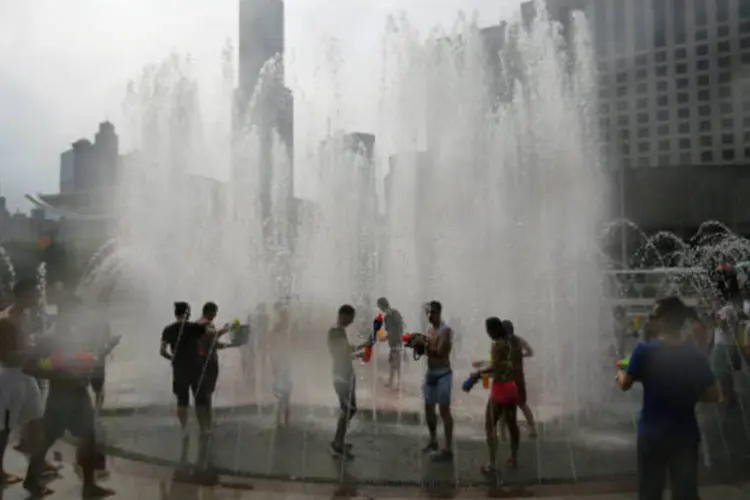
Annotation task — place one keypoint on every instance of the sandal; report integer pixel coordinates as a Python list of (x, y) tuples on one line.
[(512, 463)]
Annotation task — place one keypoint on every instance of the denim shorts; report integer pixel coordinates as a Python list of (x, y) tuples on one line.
[(438, 386)]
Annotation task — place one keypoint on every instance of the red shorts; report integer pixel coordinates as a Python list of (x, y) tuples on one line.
[(504, 393)]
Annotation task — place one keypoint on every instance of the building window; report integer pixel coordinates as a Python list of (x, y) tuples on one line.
[(704, 80), (660, 57), (604, 107), (746, 122), (643, 133), (622, 77), (701, 12), (725, 77), (644, 147), (625, 149), (622, 106), (662, 129), (661, 70), (623, 121), (622, 91), (642, 103), (707, 141), (745, 58), (678, 10), (745, 12), (707, 156), (683, 128), (662, 86), (660, 22), (626, 163), (662, 100), (723, 47), (722, 31), (701, 50), (641, 74), (704, 95), (664, 160), (665, 145), (685, 159), (727, 139), (682, 83), (642, 88), (726, 108), (684, 143), (727, 154), (604, 94), (680, 53), (625, 134), (705, 125), (745, 42), (702, 65), (746, 108), (683, 98), (683, 113), (704, 110), (701, 35), (681, 68), (722, 11), (747, 152), (641, 60), (727, 124), (745, 25), (725, 62), (725, 92), (643, 161), (642, 118)]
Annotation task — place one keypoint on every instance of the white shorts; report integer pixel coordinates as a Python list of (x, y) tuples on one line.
[(20, 399)]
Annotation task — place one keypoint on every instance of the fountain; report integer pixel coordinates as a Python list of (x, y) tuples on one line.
[(6, 286), (498, 216)]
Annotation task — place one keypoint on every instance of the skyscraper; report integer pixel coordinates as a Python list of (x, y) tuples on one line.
[(261, 38)]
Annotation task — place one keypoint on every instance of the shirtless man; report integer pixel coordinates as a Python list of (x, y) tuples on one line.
[(394, 327), (438, 381), (520, 349)]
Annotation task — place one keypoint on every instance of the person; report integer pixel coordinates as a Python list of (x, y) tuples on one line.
[(520, 349), (394, 327), (675, 376), (179, 345), (28, 413), (208, 344), (281, 366), (503, 400), (725, 355), (69, 406), (344, 380), (438, 382)]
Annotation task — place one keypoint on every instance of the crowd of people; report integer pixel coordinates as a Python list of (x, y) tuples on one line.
[(677, 360)]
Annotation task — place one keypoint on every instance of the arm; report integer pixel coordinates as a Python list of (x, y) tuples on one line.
[(164, 350), (495, 365), (626, 379), (526, 348)]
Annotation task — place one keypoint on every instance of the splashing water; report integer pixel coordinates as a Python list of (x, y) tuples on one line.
[(11, 277)]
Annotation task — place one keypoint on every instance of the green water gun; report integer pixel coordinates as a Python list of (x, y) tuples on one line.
[(623, 363)]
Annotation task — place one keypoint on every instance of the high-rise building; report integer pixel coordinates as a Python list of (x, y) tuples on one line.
[(261, 38)]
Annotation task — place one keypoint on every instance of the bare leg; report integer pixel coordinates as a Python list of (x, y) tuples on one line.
[(491, 416), (203, 415), (430, 417), (509, 414), (447, 418), (87, 459), (529, 419)]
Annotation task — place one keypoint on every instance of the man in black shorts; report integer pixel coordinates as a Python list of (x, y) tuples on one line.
[(180, 344), (344, 380)]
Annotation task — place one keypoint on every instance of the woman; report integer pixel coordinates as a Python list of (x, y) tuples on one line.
[(503, 401)]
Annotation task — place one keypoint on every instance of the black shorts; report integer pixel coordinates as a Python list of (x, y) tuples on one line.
[(98, 376), (197, 382), (346, 391), (69, 410)]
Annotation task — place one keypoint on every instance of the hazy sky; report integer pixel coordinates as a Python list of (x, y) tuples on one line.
[(64, 64)]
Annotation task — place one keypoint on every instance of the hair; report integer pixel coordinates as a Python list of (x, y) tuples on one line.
[(181, 308), (436, 306), (210, 308), (23, 287), (346, 310), (383, 302), (672, 311), (509, 328), (495, 328)]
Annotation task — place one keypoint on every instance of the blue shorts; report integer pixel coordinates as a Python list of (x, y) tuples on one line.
[(438, 386)]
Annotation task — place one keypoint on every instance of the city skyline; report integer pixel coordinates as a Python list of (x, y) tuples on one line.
[(120, 40)]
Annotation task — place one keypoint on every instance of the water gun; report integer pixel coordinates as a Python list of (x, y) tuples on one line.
[(410, 341), (378, 333), (367, 354), (71, 364), (623, 363), (470, 382)]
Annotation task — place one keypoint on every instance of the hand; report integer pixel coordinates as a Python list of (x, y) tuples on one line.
[(620, 377)]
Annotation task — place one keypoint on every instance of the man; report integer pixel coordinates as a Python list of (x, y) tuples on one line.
[(394, 327), (69, 406), (208, 344), (438, 383), (179, 344), (344, 381), (675, 376)]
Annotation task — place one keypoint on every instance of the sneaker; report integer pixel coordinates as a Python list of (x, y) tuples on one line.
[(443, 456), (431, 447), (342, 453)]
